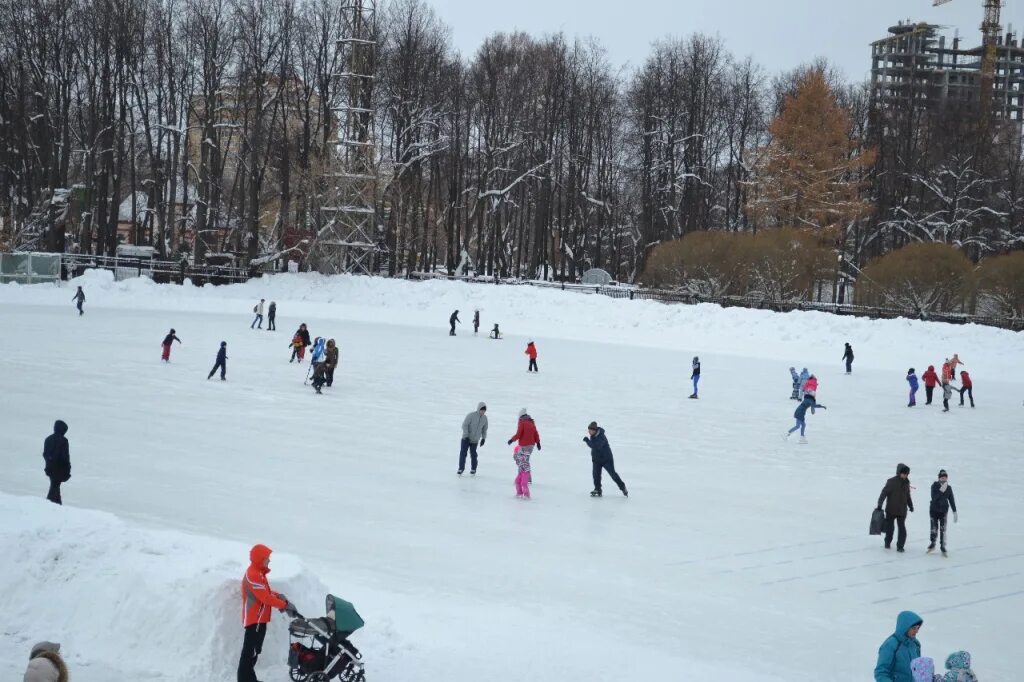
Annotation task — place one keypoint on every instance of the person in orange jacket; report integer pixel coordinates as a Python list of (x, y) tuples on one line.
[(966, 386), (531, 350), (258, 602)]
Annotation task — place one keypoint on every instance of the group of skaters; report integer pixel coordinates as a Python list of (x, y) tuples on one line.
[(946, 380), (805, 390), (900, 659), (257, 322), (526, 439), (895, 501), (453, 320)]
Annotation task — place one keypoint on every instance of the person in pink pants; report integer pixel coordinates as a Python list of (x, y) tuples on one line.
[(522, 457)]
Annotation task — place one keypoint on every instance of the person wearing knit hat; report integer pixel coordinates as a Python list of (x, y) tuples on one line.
[(942, 502), (45, 664), (896, 497), (474, 431), (601, 458)]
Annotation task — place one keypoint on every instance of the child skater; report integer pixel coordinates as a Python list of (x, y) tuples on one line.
[(795, 395), (912, 381), (168, 340), (522, 460), (800, 414)]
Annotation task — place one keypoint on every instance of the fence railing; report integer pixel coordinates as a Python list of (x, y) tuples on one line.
[(666, 296), (163, 271)]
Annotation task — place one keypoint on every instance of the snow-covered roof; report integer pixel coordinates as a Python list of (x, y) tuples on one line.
[(124, 211)]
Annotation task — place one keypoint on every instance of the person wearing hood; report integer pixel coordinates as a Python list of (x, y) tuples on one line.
[(171, 337), (930, 379), (221, 363), (899, 649), (601, 458), (272, 317), (958, 668), (942, 502), (57, 460), (79, 299), (795, 395), (848, 358), (452, 320), (45, 664), (804, 376), (810, 387), (476, 321), (966, 386), (896, 497), (923, 670), (474, 432), (258, 603), (800, 413), (695, 375), (318, 360), (330, 361), (531, 350), (912, 381)]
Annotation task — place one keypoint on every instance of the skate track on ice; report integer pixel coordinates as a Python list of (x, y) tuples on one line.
[(738, 556)]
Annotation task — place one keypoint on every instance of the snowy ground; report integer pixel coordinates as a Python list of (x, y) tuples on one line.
[(737, 556)]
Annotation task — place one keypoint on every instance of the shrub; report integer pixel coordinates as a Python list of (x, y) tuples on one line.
[(1001, 284), (924, 277)]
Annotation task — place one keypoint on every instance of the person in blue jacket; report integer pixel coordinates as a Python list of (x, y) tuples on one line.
[(804, 376), (899, 649), (221, 364), (912, 380), (695, 376), (801, 415)]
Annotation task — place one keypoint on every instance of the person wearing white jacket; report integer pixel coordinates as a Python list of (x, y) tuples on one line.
[(257, 322), (45, 664)]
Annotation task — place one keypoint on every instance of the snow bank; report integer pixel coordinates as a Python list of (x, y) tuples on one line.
[(148, 604), (801, 337)]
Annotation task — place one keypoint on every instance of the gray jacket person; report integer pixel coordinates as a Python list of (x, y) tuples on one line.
[(474, 431)]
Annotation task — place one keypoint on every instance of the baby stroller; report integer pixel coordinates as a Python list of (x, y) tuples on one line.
[(319, 649)]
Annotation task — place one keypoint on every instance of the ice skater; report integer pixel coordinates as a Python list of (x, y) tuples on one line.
[(795, 395), (695, 375), (271, 317), (453, 320), (57, 460), (912, 382), (522, 460), (942, 503), (896, 497), (258, 309), (474, 433), (947, 393), (810, 387), (299, 343), (221, 364), (79, 299), (171, 337), (531, 350), (958, 667), (330, 362), (848, 357), (601, 459), (476, 321), (495, 333), (527, 436), (966, 386), (800, 414), (931, 379), (804, 376), (317, 359)]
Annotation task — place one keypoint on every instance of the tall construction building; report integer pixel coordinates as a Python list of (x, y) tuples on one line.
[(916, 64)]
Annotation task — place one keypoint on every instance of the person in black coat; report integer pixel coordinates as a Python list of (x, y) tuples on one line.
[(452, 320), (271, 317), (79, 299), (942, 502), (222, 360), (601, 456), (896, 496), (57, 456), (848, 357)]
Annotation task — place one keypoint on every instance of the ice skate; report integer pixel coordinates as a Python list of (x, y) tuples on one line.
[(803, 440), (693, 396), (472, 472), (625, 492), (944, 552), (931, 548), (595, 493)]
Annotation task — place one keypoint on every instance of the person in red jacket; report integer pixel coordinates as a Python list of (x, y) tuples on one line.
[(527, 436), (258, 602), (930, 379), (966, 385), (531, 350)]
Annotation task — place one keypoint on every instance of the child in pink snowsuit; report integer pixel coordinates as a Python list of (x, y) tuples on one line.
[(523, 477)]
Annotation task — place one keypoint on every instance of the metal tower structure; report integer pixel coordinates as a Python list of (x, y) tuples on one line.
[(345, 242)]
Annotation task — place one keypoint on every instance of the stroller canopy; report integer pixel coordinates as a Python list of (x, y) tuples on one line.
[(344, 616)]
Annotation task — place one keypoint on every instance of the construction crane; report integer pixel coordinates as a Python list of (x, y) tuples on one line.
[(989, 45)]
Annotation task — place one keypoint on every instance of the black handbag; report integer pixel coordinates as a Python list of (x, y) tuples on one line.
[(877, 522)]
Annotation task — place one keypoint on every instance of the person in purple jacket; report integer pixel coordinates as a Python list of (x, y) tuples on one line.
[(912, 380)]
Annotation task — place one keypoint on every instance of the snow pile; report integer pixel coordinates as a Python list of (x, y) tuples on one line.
[(148, 604), (546, 313)]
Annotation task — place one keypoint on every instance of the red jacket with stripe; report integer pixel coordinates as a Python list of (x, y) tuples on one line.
[(258, 600)]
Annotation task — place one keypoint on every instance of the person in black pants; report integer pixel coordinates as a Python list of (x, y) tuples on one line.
[(601, 456), (79, 299), (57, 458), (271, 314), (222, 360), (942, 502), (896, 497), (848, 357), (452, 320)]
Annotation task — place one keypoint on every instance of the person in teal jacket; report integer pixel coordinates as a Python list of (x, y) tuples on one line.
[(899, 649)]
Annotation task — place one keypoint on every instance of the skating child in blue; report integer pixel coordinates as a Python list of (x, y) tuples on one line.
[(801, 413), (796, 384), (695, 377), (804, 376), (912, 380)]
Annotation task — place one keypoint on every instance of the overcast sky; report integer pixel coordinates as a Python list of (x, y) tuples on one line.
[(779, 34)]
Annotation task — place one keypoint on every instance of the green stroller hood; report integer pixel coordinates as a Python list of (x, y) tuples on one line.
[(346, 619)]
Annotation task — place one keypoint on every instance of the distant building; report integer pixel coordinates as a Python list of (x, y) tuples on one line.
[(914, 64)]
